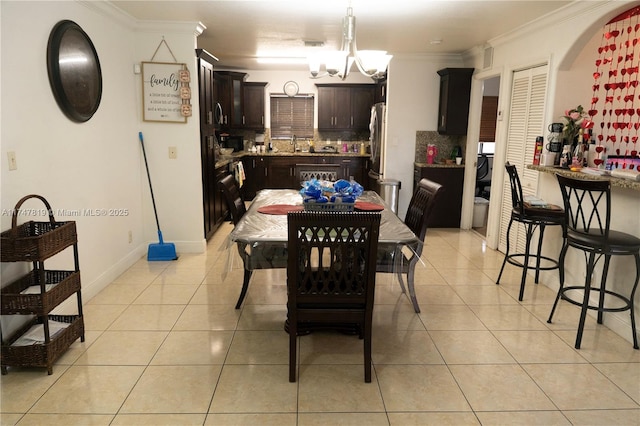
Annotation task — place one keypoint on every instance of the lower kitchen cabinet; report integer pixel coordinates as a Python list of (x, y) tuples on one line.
[(448, 208), (279, 172), (220, 209)]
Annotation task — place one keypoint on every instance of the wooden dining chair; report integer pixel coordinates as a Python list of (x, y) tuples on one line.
[(331, 276), (392, 259), (328, 172), (231, 191), (264, 256)]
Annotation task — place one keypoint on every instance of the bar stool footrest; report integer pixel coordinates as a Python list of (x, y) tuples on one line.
[(626, 300), (511, 259)]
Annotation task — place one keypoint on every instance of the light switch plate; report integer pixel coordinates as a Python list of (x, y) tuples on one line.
[(173, 152), (11, 157)]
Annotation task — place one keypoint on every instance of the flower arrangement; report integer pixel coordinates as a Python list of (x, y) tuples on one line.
[(575, 119)]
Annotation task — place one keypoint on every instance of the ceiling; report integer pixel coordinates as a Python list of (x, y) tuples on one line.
[(237, 31)]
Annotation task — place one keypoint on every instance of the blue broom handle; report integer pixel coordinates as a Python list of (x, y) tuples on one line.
[(153, 200)]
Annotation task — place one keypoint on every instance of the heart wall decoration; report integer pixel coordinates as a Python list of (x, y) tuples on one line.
[(615, 101)]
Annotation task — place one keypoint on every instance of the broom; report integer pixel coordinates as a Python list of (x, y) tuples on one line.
[(161, 250)]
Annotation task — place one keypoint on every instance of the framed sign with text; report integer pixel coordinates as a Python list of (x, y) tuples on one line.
[(162, 98)]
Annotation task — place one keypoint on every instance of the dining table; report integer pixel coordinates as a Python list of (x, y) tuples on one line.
[(261, 234)]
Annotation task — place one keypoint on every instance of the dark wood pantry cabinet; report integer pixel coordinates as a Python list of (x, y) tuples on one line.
[(207, 138)]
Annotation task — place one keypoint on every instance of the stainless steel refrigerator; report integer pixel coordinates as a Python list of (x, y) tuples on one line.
[(387, 188)]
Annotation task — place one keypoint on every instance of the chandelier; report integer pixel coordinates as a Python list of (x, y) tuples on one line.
[(372, 63)]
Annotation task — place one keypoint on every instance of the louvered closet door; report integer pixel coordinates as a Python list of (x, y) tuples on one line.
[(526, 122)]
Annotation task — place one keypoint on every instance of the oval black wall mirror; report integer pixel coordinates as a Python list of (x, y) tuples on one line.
[(74, 71)]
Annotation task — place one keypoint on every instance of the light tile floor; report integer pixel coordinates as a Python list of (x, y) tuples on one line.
[(165, 346)]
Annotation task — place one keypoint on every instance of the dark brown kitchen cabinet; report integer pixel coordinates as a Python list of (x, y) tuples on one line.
[(455, 93), (229, 93), (281, 173), (362, 99), (448, 209), (221, 209), (345, 107), (254, 100), (277, 172), (207, 138), (255, 170)]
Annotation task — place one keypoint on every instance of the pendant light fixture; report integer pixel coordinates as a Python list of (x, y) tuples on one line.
[(372, 63)]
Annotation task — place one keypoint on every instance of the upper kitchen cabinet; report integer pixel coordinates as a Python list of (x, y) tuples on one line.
[(229, 93), (254, 95), (345, 106), (455, 93)]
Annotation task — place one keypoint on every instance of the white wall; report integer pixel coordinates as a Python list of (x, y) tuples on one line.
[(413, 91), (567, 45), (96, 164)]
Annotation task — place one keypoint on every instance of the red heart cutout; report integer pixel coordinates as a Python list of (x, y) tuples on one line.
[(608, 99), (597, 161), (630, 166), (616, 125), (600, 49), (602, 125), (626, 139), (615, 33), (634, 139), (636, 125), (629, 28), (596, 75), (634, 153), (618, 111), (594, 100), (608, 35), (637, 27), (617, 151), (599, 148), (598, 62), (593, 112), (600, 138), (620, 58)]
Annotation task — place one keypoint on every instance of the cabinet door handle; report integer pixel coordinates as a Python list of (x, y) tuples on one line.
[(443, 120), (209, 117), (243, 120), (352, 121)]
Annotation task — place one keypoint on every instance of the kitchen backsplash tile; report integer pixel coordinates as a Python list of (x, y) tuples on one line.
[(445, 144)]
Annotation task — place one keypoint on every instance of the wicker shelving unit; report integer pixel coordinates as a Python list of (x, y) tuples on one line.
[(38, 292)]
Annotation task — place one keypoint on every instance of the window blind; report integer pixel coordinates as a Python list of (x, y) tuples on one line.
[(291, 116)]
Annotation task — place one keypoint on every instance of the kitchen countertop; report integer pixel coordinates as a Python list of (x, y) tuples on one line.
[(225, 160), (615, 182), (440, 165)]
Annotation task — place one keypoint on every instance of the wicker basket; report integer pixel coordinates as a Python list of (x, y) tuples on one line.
[(33, 241), (13, 302), (45, 354), (329, 207)]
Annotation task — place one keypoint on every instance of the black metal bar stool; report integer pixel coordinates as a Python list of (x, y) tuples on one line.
[(587, 204), (531, 217)]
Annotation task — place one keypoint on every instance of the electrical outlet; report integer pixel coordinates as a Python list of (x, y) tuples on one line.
[(130, 237), (13, 164), (173, 152)]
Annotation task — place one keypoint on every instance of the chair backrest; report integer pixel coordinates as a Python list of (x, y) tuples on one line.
[(516, 187), (332, 259), (587, 206), (317, 171), (421, 206), (231, 191), (483, 167)]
